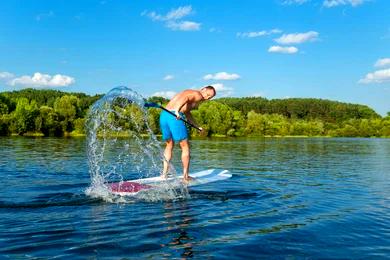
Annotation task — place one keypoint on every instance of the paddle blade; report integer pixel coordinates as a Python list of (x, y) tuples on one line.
[(151, 104)]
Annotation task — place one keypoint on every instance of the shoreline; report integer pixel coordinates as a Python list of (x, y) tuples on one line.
[(126, 135)]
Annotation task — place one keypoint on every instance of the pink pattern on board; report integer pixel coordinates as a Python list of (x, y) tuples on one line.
[(128, 186)]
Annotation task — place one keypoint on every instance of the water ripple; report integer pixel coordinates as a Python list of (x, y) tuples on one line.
[(288, 198)]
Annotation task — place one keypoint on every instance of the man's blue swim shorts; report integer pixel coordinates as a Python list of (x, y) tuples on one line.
[(172, 128)]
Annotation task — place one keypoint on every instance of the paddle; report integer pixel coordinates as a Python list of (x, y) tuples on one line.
[(151, 104)]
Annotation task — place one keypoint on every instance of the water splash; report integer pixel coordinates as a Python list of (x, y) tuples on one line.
[(122, 146)]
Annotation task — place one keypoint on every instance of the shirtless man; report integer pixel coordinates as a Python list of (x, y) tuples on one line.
[(174, 130)]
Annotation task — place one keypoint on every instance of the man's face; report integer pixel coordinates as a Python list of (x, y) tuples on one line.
[(208, 93)]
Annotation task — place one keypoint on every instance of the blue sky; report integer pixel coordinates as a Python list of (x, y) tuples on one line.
[(331, 49)]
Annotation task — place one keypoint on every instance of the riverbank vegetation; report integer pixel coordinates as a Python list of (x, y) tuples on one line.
[(56, 113)]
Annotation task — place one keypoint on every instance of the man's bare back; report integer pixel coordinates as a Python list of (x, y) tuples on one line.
[(185, 101)]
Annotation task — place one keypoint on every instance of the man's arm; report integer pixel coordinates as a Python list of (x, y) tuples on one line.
[(179, 104), (191, 119)]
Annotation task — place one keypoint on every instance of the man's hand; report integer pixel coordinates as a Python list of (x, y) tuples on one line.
[(177, 115)]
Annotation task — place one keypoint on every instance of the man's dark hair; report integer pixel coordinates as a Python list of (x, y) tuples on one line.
[(212, 88)]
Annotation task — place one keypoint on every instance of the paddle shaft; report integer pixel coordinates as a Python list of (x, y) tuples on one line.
[(185, 121)]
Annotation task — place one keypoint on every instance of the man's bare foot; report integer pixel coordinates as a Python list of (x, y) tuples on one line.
[(187, 179), (164, 175)]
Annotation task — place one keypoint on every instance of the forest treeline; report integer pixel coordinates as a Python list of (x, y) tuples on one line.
[(56, 113)]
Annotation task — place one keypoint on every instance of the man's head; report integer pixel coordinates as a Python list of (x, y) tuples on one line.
[(208, 92)]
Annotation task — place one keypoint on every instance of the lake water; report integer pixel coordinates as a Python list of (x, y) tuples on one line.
[(288, 197)]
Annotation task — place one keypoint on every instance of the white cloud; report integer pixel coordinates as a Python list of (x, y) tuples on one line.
[(6, 75), (216, 30), (153, 15), (275, 31), (222, 90), (173, 18), (168, 77), (251, 34), (379, 76), (184, 26), (41, 16), (286, 50), (222, 76), (293, 2), (295, 38), (165, 94), (257, 34), (382, 62), (179, 13), (42, 80), (334, 3)]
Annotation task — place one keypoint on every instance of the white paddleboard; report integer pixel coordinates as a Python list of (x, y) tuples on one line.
[(132, 187)]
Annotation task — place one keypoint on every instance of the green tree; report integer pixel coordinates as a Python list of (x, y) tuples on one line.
[(3, 109), (50, 123), (4, 125), (275, 124), (79, 126), (256, 124), (385, 127), (349, 128), (66, 108), (239, 123), (315, 128), (158, 100), (61, 112), (217, 117), (154, 119), (24, 116)]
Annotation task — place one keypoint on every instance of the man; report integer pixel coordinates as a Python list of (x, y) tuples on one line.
[(174, 130)]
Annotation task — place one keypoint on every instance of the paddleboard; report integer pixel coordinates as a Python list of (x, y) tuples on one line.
[(132, 187)]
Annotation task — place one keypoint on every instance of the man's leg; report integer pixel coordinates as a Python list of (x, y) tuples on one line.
[(185, 158), (167, 156)]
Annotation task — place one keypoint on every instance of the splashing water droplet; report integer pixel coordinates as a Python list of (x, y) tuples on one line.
[(122, 146)]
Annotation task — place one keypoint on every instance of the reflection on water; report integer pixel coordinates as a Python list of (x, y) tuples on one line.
[(288, 198), (178, 221)]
